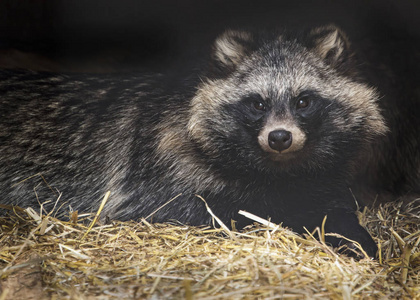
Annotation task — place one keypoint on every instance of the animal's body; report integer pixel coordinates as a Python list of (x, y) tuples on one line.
[(278, 125)]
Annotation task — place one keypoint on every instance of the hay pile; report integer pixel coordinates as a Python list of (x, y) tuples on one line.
[(45, 258)]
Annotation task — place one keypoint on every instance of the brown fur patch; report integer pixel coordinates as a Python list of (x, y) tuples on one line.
[(174, 148)]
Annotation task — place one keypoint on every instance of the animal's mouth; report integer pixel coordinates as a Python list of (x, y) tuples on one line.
[(283, 157)]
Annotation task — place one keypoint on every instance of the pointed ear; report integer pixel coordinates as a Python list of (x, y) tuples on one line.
[(331, 44), (230, 49)]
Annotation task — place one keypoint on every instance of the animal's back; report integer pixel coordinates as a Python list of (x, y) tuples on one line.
[(71, 134)]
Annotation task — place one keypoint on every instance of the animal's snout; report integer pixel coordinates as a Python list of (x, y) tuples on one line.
[(280, 139)]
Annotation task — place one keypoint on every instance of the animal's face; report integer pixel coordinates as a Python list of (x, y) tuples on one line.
[(281, 104)]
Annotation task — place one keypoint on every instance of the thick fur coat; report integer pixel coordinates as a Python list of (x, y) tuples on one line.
[(278, 125)]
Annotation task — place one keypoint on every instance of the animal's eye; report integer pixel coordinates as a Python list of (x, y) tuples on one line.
[(303, 103), (258, 105)]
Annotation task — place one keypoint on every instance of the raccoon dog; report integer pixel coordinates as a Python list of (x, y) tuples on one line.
[(277, 125)]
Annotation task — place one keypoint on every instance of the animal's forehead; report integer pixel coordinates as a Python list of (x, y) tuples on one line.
[(280, 52), (276, 79)]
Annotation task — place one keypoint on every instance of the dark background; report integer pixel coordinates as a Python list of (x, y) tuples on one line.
[(104, 35)]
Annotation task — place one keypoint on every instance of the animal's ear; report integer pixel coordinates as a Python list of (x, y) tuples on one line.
[(331, 44), (230, 49)]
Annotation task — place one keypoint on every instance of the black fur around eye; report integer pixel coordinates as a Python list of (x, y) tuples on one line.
[(303, 103)]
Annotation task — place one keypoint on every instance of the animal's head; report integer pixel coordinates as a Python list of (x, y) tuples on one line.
[(283, 101)]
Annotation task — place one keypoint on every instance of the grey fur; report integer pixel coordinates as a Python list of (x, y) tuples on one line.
[(147, 141)]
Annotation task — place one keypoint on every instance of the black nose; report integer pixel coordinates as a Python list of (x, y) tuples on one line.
[(280, 139)]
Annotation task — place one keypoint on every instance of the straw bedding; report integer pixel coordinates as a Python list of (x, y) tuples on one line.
[(42, 257)]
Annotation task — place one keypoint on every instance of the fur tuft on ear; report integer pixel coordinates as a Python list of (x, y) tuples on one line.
[(230, 48), (331, 44)]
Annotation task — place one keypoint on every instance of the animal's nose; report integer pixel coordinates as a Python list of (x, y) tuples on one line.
[(280, 139)]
